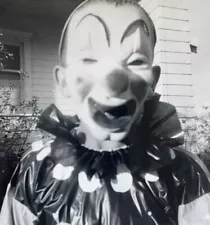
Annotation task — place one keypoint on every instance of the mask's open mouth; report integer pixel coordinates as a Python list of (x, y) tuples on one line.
[(112, 117)]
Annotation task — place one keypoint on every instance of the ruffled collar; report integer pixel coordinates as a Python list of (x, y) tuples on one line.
[(151, 141)]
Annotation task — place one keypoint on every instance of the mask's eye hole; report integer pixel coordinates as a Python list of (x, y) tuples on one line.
[(137, 62), (89, 61)]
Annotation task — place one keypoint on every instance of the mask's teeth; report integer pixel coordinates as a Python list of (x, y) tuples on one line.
[(109, 116), (97, 107)]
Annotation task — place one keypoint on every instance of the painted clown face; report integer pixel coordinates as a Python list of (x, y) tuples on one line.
[(107, 58)]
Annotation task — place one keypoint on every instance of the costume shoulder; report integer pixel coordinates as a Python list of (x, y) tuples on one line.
[(192, 181), (22, 195)]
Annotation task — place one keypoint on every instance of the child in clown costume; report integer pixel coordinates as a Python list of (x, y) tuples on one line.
[(118, 160)]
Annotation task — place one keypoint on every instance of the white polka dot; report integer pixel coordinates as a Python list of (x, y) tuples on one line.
[(149, 213), (61, 172), (37, 145), (172, 153), (44, 153), (88, 185), (151, 176), (123, 181)]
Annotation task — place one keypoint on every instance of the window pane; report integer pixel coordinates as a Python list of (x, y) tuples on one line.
[(10, 88), (11, 57)]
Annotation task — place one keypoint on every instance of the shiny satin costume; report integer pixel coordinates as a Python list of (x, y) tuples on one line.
[(170, 186)]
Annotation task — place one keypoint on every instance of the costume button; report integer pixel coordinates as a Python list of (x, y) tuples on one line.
[(149, 213)]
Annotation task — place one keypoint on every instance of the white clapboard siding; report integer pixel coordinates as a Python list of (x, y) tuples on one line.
[(176, 79), (173, 35), (172, 51), (186, 111), (173, 57), (179, 90), (175, 68), (45, 81), (44, 59), (172, 46), (179, 4), (180, 101), (172, 13), (172, 24)]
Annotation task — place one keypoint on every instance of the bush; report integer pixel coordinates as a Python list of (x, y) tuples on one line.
[(197, 135), (17, 123)]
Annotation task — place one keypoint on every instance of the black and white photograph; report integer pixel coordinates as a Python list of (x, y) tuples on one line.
[(104, 112)]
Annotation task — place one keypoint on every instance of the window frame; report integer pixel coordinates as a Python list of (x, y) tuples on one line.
[(22, 39)]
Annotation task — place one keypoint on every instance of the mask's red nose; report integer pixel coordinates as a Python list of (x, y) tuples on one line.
[(116, 81)]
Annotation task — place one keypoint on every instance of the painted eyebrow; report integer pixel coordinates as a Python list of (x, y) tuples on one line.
[(140, 22), (100, 21)]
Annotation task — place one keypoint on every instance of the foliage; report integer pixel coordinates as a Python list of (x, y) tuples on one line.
[(197, 135), (4, 54), (17, 121), (15, 124)]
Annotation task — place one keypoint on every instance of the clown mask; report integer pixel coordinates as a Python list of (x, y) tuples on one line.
[(107, 67)]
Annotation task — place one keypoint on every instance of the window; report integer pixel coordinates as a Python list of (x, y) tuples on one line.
[(11, 57), (14, 60), (10, 76)]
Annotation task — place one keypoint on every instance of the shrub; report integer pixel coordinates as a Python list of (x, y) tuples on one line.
[(17, 123), (197, 135)]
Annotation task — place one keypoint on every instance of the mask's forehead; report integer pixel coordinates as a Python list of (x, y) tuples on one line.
[(90, 35), (94, 29)]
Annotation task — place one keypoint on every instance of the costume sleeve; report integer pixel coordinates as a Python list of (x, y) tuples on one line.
[(193, 191), (20, 206), (15, 212)]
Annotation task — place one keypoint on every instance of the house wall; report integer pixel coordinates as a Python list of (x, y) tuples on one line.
[(200, 36), (172, 52), (44, 53), (44, 42), (44, 58)]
